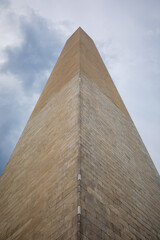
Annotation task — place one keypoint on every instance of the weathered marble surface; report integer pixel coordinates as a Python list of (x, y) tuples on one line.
[(80, 169)]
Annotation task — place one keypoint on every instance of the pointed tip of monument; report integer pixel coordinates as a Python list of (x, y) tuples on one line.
[(80, 29), (79, 32), (80, 55)]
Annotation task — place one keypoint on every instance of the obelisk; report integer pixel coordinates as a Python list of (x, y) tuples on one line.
[(80, 169)]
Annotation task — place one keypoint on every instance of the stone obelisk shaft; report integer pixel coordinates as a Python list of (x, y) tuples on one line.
[(80, 169)]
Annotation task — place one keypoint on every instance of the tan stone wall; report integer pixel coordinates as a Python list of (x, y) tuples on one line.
[(120, 187), (38, 189), (80, 127)]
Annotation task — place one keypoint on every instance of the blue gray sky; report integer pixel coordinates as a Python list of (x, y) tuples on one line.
[(32, 35)]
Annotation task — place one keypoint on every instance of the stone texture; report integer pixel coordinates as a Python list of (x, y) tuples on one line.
[(38, 195), (120, 187), (80, 169)]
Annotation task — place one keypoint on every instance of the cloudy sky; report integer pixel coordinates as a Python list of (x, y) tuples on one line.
[(32, 35)]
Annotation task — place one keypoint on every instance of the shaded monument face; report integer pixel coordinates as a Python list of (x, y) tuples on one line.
[(80, 169)]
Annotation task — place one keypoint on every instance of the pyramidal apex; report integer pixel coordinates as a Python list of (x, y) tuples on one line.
[(80, 55)]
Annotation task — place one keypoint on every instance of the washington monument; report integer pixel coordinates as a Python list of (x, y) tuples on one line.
[(80, 169)]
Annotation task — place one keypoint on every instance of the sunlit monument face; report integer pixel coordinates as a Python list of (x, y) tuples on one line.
[(80, 169)]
